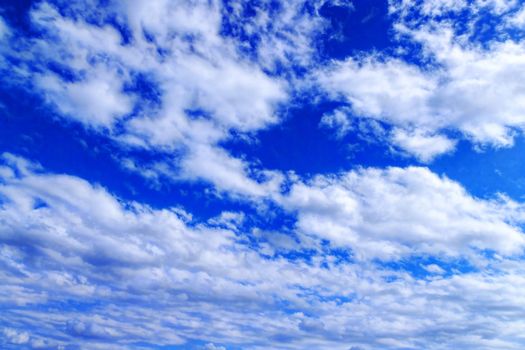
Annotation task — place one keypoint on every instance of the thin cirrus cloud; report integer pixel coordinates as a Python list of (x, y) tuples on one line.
[(391, 256)]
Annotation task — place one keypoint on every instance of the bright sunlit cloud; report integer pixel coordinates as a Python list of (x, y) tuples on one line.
[(306, 174)]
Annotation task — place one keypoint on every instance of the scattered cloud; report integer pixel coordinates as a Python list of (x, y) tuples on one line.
[(473, 89), (387, 257), (395, 212), (63, 239), (204, 89)]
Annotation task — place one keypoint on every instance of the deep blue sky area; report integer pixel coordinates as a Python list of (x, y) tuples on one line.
[(363, 27), (229, 175)]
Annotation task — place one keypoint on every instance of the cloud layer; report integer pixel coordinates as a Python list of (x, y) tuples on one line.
[(391, 256), (118, 263)]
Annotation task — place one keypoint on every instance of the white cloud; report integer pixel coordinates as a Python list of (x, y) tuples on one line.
[(228, 219), (483, 91), (435, 269), (418, 142), (475, 91), (462, 85), (436, 8), (391, 90), (497, 6), (284, 31), (337, 120), (216, 165), (422, 145), (150, 276), (97, 101), (397, 212), (205, 90), (517, 19), (155, 276), (16, 337)]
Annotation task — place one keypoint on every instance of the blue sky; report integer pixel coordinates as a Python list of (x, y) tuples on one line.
[(319, 174)]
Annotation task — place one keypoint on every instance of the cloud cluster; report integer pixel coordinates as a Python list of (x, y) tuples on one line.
[(370, 258), (130, 274), (394, 212), (469, 87), (159, 77), (162, 78)]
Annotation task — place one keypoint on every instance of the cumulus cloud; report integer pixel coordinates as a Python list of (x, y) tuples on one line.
[(438, 8), (370, 258), (396, 212), (471, 88), (424, 146), (154, 276), (391, 90), (433, 268), (202, 88), (97, 101)]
